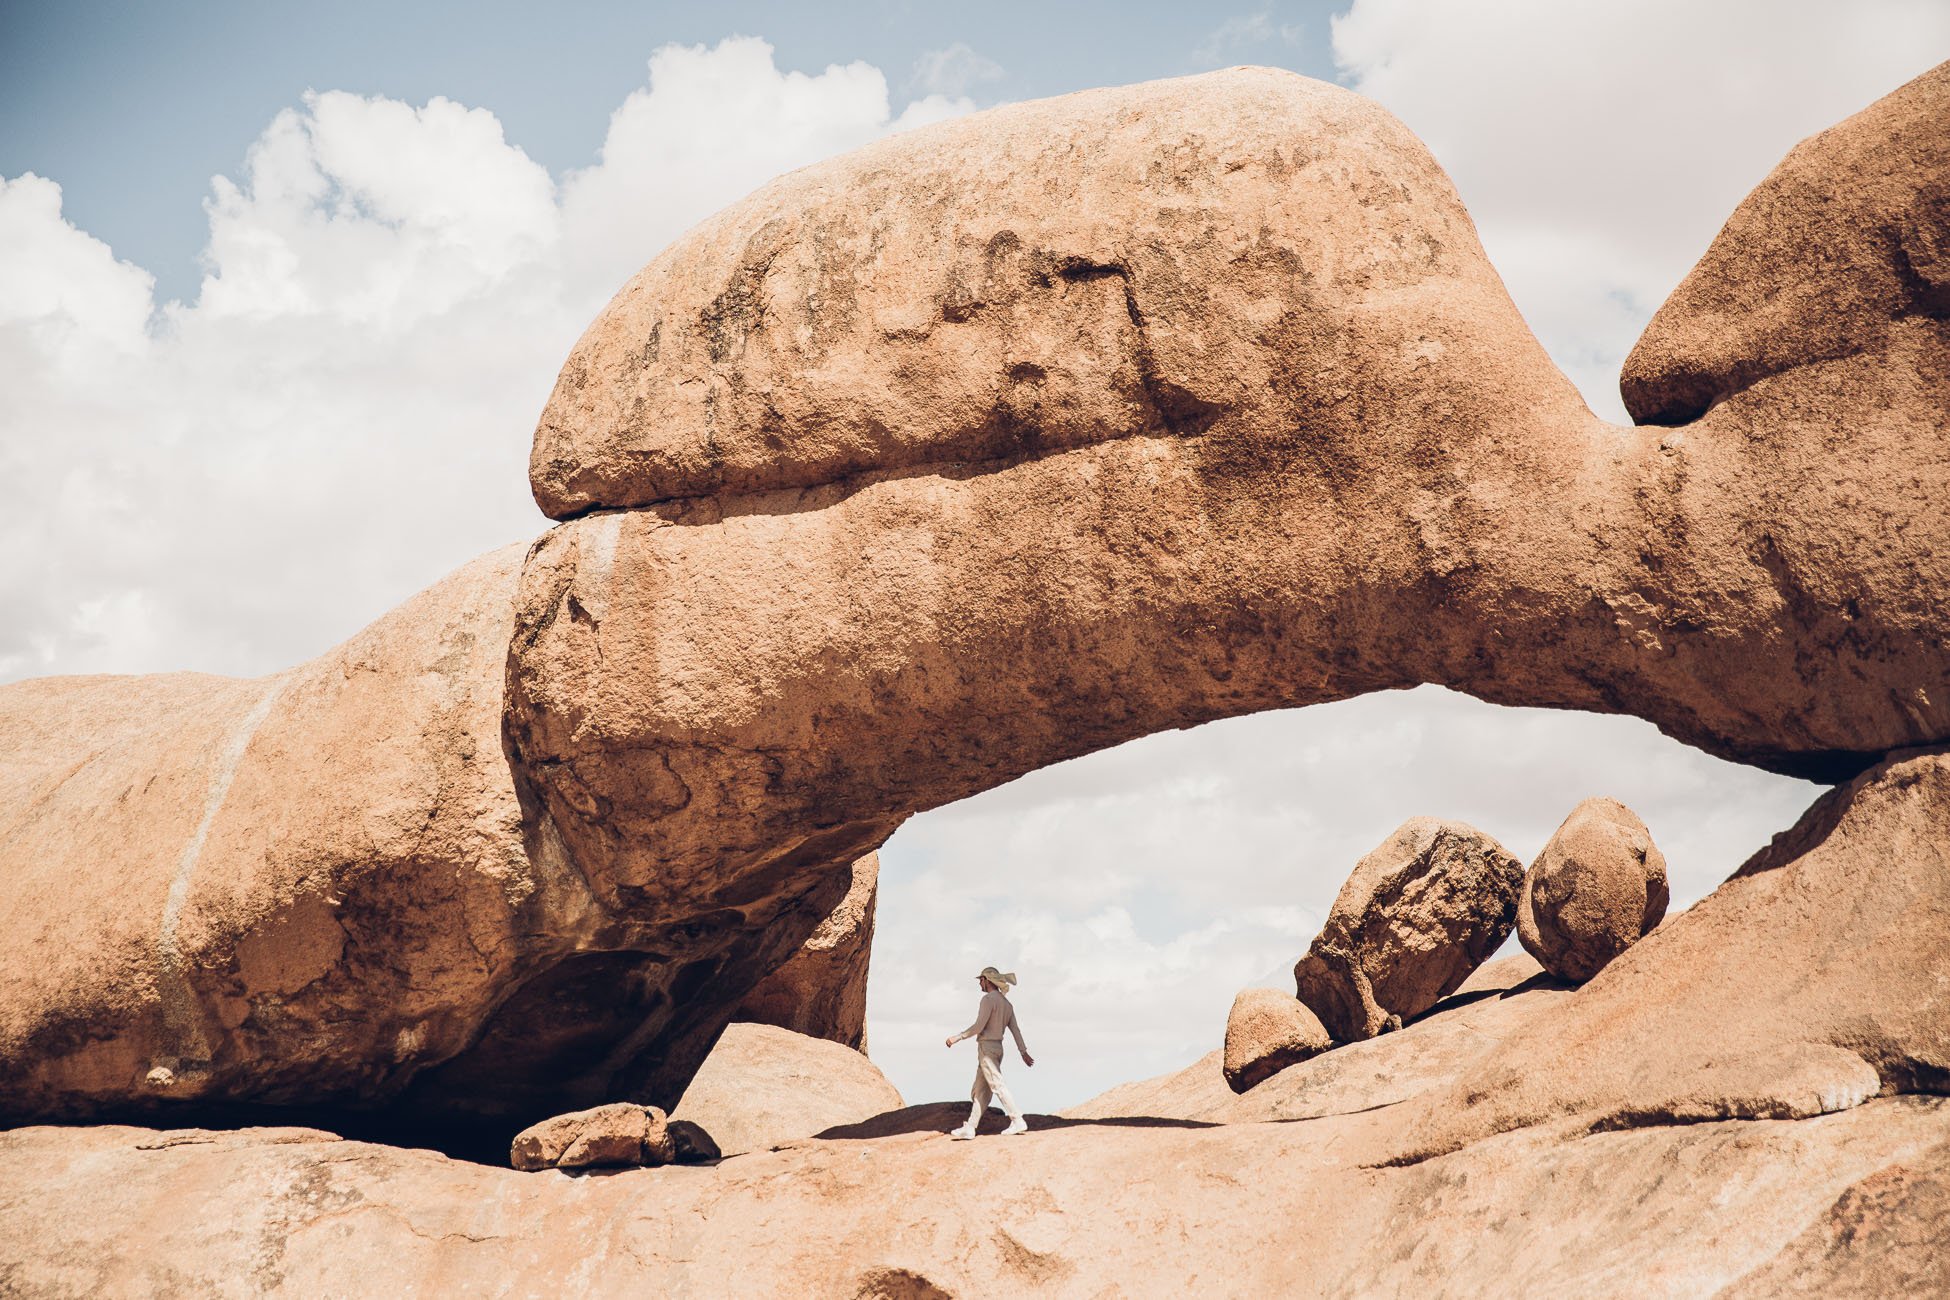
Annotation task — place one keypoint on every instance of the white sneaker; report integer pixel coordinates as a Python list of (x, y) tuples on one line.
[(1016, 1125), (962, 1134)]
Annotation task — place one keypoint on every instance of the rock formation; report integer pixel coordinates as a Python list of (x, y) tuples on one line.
[(1815, 979), (763, 1086), (1418, 914), (617, 1135), (1267, 1031), (1469, 1023), (822, 988), (987, 446), (1595, 890), (319, 894)]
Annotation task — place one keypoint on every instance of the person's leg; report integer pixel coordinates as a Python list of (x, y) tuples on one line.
[(992, 1078), (978, 1095)]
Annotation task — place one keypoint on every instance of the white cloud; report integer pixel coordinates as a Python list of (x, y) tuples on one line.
[(1600, 147), (344, 412), (954, 71), (1240, 34)]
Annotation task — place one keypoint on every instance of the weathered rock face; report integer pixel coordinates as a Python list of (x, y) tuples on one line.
[(1267, 1031), (822, 988), (320, 891), (763, 1086), (1418, 914), (808, 638), (1145, 260), (1815, 978), (1595, 890), (1290, 442), (617, 1135), (1353, 1077), (1255, 1209), (1843, 251)]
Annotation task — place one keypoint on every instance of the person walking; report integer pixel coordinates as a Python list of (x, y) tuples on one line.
[(995, 1014)]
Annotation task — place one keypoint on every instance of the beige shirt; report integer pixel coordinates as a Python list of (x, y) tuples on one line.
[(991, 1018)]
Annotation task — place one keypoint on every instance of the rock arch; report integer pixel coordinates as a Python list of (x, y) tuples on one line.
[(977, 449)]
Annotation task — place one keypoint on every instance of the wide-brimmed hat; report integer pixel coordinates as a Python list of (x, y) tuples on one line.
[(997, 978)]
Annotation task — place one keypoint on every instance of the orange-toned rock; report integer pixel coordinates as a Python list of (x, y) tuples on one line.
[(1266, 1031), (1421, 911), (822, 989), (763, 1086), (1139, 261), (1818, 977), (1843, 250), (1887, 1235), (1598, 887), (1355, 1077), (1162, 1209), (321, 890), (618, 1134), (791, 643)]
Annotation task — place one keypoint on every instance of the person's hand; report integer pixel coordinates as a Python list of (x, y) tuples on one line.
[(948, 1042), (1027, 1059)]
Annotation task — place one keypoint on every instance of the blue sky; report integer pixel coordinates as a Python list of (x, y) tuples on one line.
[(283, 288), (134, 107)]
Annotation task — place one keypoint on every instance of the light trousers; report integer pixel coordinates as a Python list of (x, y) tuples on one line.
[(988, 1083)]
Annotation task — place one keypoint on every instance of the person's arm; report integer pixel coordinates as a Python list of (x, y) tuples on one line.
[(981, 1018), (1015, 1028)]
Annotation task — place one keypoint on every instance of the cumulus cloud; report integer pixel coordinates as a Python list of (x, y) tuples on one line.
[(1600, 147), (343, 412)]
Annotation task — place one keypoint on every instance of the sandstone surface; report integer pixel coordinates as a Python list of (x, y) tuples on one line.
[(763, 1086), (1597, 888), (822, 989), (760, 654), (618, 1134), (1328, 458), (320, 894), (1843, 250), (1266, 1031), (1089, 1209), (1422, 910), (1817, 977), (1354, 1077)]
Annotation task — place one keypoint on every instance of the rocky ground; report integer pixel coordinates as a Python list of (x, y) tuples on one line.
[(1171, 1187)]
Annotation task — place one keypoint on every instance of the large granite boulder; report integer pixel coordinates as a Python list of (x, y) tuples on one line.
[(1842, 252), (1597, 888), (763, 1086), (1418, 914), (822, 988), (322, 892), (761, 653)]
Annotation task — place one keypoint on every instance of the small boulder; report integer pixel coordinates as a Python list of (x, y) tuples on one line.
[(1598, 887), (763, 1086), (620, 1133), (1420, 913), (1267, 1031)]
